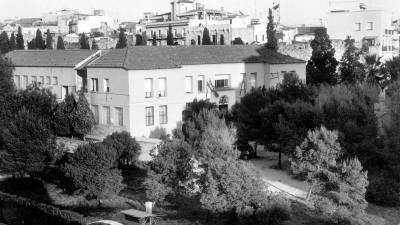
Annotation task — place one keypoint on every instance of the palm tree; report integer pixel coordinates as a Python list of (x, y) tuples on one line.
[(375, 71)]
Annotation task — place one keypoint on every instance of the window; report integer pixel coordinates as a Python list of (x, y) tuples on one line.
[(119, 116), (370, 26), (148, 87), (48, 80), (106, 85), (163, 114), (55, 81), (188, 84), (42, 80), (95, 85), (243, 85), (149, 116), (95, 110), (34, 79), (162, 87), (357, 26), (200, 83), (106, 115), (17, 81), (253, 80), (25, 82), (221, 81)]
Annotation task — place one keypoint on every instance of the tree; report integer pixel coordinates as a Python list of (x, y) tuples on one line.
[(81, 117), (90, 170), (351, 70), (376, 73), (20, 39), (154, 40), (32, 44), (139, 39), (84, 41), (60, 43), (26, 144), (122, 41), (321, 68), (272, 42), (49, 40), (6, 76), (39, 42), (170, 36), (94, 45), (206, 37), (238, 41), (144, 38), (4, 43), (127, 148), (13, 44), (393, 66), (222, 40)]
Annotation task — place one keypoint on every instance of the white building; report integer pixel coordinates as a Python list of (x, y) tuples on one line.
[(141, 88), (367, 26)]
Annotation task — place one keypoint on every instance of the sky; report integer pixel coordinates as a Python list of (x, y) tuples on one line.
[(292, 11)]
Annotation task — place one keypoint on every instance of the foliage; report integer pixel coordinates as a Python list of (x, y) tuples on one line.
[(321, 68), (60, 122), (237, 41), (376, 73), (4, 43), (27, 146), (222, 40), (49, 40), (60, 43), (272, 42), (126, 147), (170, 36), (206, 37), (39, 42), (20, 39), (84, 41), (6, 76), (19, 210), (32, 44), (91, 171), (351, 70), (393, 66), (159, 133), (154, 40), (122, 41), (13, 44), (139, 39), (82, 118), (94, 45)]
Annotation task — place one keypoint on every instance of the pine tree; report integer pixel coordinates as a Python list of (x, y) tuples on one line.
[(122, 41), (49, 40), (154, 40), (13, 45), (206, 37), (60, 43), (170, 36), (20, 39), (32, 44), (84, 41), (94, 45), (4, 43), (39, 42), (272, 42), (351, 69), (321, 68)]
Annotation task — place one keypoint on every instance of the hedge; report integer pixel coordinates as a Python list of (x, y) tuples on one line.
[(16, 210)]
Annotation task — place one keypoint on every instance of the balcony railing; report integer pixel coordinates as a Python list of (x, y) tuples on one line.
[(149, 94)]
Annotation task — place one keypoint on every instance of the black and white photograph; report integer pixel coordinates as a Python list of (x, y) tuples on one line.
[(200, 112)]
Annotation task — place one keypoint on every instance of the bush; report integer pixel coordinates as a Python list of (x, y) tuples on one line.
[(81, 117), (18, 210), (126, 147), (159, 133), (91, 171), (383, 190)]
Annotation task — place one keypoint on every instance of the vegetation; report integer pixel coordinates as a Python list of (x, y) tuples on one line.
[(49, 40), (39, 42), (94, 45), (154, 40), (60, 43), (126, 147), (206, 37), (84, 41), (81, 117), (237, 41), (13, 44), (20, 39), (170, 36), (351, 70), (139, 39), (122, 41), (272, 42), (4, 43)]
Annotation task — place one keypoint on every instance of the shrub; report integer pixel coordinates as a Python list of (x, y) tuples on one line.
[(81, 117), (126, 147), (91, 171), (159, 133)]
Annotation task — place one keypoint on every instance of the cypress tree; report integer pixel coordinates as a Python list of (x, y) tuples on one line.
[(32, 44), (321, 68), (39, 42), (49, 40), (154, 40), (20, 39), (206, 37), (351, 69), (60, 43), (84, 41), (144, 38), (222, 40), (94, 45), (122, 41), (272, 42), (139, 39), (170, 36), (13, 45), (4, 43)]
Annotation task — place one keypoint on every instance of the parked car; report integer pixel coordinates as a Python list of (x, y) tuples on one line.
[(105, 222)]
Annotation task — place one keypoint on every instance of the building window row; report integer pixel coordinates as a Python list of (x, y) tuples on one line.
[(149, 91), (22, 81), (109, 116), (370, 26), (163, 115), (94, 85)]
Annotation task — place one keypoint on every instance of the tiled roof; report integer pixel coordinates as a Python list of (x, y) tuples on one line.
[(164, 57), (48, 58)]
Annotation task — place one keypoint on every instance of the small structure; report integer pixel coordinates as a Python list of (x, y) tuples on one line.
[(143, 218)]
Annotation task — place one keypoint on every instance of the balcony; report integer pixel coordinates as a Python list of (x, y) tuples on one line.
[(149, 94), (162, 93)]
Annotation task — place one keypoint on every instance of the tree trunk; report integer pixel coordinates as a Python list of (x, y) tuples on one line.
[(309, 193), (280, 160)]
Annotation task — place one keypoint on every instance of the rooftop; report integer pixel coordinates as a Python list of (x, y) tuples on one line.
[(48, 58), (168, 57)]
